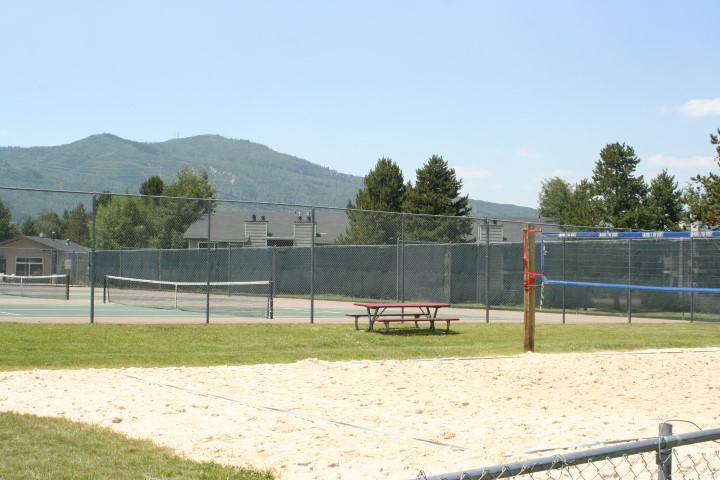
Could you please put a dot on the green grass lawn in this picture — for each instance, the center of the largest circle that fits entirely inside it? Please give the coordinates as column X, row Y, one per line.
column 42, row 448
column 27, row 346
column 36, row 448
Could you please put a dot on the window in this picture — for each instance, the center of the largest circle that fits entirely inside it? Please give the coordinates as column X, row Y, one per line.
column 29, row 266
column 204, row 245
column 280, row 242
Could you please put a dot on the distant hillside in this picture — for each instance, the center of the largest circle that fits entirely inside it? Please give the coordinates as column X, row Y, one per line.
column 240, row 170
column 481, row 208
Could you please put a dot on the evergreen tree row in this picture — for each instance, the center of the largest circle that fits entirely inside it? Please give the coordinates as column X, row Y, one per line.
column 434, row 196
column 615, row 197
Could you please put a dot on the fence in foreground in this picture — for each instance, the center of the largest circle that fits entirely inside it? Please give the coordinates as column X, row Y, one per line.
column 663, row 458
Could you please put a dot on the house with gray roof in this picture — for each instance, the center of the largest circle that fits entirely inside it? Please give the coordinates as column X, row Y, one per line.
column 27, row 255
column 295, row 229
column 266, row 229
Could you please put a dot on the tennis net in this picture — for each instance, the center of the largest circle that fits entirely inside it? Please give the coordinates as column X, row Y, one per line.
column 37, row 286
column 241, row 299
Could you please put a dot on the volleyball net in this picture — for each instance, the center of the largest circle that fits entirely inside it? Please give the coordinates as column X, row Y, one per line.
column 591, row 269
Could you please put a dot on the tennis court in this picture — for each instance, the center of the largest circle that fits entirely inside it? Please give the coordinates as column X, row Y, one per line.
column 668, row 277
column 286, row 310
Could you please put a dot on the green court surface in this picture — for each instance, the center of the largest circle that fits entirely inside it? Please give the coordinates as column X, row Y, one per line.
column 15, row 308
column 26, row 309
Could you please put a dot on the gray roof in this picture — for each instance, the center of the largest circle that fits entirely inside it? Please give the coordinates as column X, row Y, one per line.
column 230, row 226
column 61, row 245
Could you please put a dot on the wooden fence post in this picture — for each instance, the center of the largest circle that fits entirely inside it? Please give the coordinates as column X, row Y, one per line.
column 529, row 286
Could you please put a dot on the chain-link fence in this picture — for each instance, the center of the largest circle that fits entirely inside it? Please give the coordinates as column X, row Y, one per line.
column 689, row 456
column 311, row 254
column 674, row 277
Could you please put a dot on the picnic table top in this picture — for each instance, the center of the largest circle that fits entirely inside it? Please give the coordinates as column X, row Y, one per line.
column 401, row 304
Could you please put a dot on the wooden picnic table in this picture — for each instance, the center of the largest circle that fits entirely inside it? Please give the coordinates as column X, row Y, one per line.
column 408, row 311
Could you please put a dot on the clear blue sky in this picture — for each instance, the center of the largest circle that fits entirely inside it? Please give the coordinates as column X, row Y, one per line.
column 508, row 92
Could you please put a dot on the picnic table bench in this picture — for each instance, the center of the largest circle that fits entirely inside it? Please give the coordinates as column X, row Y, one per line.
column 421, row 312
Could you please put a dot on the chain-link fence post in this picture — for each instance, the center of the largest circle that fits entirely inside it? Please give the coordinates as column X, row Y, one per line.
column 477, row 266
column 664, row 456
column 92, row 259
column 208, row 260
column 402, row 257
column 398, row 268
column 563, row 277
column 312, row 266
column 692, row 279
column 629, row 292
column 447, row 264
column 487, row 270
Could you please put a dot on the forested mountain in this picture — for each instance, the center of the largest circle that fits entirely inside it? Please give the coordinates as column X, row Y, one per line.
column 239, row 169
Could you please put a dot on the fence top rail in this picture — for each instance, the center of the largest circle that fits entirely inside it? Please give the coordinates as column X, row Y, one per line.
column 576, row 458
column 686, row 234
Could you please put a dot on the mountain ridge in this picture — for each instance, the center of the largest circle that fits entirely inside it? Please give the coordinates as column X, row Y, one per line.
column 239, row 169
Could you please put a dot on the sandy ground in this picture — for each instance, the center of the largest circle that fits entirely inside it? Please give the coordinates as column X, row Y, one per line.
column 385, row 419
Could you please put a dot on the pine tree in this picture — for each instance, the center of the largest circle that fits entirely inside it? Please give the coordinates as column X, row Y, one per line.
column 618, row 191
column 384, row 191
column 437, row 193
column 663, row 204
